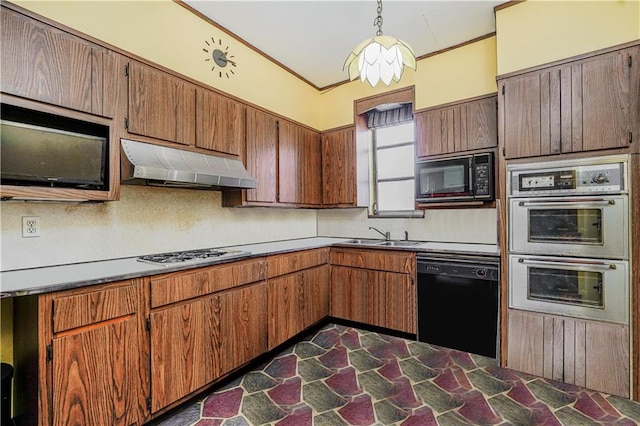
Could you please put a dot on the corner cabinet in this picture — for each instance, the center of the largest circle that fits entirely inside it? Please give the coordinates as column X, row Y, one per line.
column 462, row 126
column 299, row 165
column 90, row 347
column 285, row 159
column 590, row 354
column 298, row 292
column 40, row 62
column 585, row 104
column 339, row 167
column 261, row 155
column 204, row 324
column 375, row 287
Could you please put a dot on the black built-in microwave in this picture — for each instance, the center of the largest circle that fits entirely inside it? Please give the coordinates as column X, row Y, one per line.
column 463, row 178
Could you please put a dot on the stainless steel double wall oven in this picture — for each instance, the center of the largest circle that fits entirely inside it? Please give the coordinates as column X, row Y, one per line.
column 569, row 238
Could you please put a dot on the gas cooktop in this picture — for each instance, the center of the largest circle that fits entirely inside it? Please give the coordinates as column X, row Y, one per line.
column 191, row 256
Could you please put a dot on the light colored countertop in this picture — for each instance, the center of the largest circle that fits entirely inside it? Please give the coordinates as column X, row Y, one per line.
column 23, row 282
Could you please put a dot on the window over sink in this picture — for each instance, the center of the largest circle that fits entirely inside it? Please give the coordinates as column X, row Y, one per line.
column 392, row 158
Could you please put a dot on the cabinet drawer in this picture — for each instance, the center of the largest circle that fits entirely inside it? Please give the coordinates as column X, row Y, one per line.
column 380, row 260
column 90, row 308
column 178, row 286
column 292, row 262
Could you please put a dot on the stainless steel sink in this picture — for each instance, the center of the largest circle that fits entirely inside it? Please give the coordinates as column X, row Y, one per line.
column 398, row 243
column 393, row 243
column 364, row 242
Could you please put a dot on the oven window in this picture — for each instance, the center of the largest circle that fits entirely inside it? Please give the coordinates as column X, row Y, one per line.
column 566, row 286
column 566, row 226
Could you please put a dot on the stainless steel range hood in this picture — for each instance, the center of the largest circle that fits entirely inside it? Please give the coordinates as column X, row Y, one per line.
column 147, row 164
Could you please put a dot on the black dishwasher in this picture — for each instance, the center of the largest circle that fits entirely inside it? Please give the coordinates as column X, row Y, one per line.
column 459, row 303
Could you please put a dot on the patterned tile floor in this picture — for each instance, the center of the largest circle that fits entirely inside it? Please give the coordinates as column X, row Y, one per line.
column 346, row 376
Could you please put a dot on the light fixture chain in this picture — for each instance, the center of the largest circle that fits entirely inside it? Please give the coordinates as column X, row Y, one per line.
column 378, row 21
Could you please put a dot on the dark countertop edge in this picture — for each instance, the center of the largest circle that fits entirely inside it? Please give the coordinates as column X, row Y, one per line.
column 160, row 270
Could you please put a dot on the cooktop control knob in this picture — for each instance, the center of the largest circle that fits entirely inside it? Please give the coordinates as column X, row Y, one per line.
column 481, row 273
column 600, row 178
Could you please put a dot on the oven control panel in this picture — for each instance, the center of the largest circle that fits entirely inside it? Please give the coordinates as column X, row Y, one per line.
column 577, row 179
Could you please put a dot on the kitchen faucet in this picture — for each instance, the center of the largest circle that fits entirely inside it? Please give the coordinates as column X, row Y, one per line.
column 386, row 235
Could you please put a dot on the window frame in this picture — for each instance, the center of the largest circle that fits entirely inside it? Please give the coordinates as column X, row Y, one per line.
column 373, row 210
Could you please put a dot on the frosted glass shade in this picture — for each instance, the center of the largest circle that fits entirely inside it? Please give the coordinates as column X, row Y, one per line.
column 380, row 58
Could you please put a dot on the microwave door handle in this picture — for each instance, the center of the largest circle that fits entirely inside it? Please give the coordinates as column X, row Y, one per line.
column 591, row 202
column 590, row 264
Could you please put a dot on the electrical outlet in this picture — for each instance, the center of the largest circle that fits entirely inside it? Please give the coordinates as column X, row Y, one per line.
column 30, row 226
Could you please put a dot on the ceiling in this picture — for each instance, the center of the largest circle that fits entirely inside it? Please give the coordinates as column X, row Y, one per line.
column 313, row 38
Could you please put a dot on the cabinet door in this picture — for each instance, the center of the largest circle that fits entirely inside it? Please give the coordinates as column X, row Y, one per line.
column 184, row 349
column 478, row 125
column 607, row 358
column 525, row 342
column 220, row 123
column 160, row 105
column 398, row 302
column 286, row 302
column 299, row 158
column 297, row 301
column 434, row 132
column 262, row 137
column 45, row 64
column 600, row 93
column 243, row 326
column 354, row 296
column 530, row 111
column 94, row 373
column 339, row 167
column 316, row 291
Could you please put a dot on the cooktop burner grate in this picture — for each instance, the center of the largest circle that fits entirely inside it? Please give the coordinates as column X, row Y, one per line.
column 189, row 256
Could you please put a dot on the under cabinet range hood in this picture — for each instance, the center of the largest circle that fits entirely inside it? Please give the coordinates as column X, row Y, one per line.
column 155, row 165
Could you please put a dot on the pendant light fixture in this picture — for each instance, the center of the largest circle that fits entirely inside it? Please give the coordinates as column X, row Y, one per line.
column 380, row 58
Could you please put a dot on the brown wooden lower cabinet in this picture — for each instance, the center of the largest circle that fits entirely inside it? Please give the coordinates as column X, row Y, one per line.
column 298, row 294
column 125, row 352
column 196, row 341
column 374, row 287
column 79, row 356
column 297, row 301
column 591, row 354
column 384, row 299
column 92, row 370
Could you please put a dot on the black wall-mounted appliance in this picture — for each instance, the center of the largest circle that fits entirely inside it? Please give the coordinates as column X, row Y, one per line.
column 464, row 178
column 46, row 150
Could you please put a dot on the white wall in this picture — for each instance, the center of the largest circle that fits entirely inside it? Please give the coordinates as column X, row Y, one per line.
column 146, row 220
column 442, row 225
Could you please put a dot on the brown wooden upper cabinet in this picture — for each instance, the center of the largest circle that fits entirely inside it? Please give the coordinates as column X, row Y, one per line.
column 220, row 122
column 582, row 105
column 261, row 155
column 161, row 105
column 285, row 159
column 299, row 165
column 458, row 127
column 339, row 167
column 42, row 63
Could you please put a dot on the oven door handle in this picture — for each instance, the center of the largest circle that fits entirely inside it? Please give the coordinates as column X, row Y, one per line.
column 590, row 264
column 593, row 201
